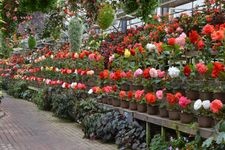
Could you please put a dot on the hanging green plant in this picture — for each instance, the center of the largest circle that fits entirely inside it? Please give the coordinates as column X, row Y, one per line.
column 106, row 16
column 75, row 31
column 31, row 42
column 130, row 6
column 37, row 5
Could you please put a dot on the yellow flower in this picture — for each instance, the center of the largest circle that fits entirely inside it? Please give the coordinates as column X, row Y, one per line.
column 127, row 53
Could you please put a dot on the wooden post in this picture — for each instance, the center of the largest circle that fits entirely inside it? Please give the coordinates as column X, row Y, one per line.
column 163, row 133
column 148, row 133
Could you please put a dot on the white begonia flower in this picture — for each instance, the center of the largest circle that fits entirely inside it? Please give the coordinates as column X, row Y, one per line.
column 52, row 56
column 198, row 104
column 64, row 85
column 150, row 47
column 90, row 72
column 73, row 85
column 90, row 91
column 42, row 68
column 57, row 69
column 153, row 73
column 173, row 72
column 76, row 55
column 47, row 81
column 206, row 104
column 43, row 57
column 75, row 71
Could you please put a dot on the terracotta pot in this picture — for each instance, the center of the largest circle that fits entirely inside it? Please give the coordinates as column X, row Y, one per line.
column 133, row 106
column 205, row 95
column 174, row 114
column 141, row 107
column 115, row 102
column 186, row 117
column 193, row 95
column 163, row 112
column 205, row 122
column 125, row 87
column 152, row 110
column 124, row 104
column 220, row 96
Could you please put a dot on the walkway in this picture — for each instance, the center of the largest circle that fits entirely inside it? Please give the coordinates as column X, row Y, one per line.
column 24, row 127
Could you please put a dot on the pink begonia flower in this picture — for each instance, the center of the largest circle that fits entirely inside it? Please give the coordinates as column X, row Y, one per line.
column 123, row 74
column 161, row 74
column 153, row 73
column 139, row 94
column 201, row 68
column 111, row 58
column 138, row 72
column 112, row 75
column 81, row 86
column 98, row 57
column 107, row 89
column 179, row 29
column 90, row 72
column 91, row 56
column 184, row 102
column 181, row 40
column 159, row 94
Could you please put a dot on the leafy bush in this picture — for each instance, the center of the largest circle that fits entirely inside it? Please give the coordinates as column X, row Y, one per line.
column 132, row 137
column 109, row 125
column 31, row 42
column 86, row 108
column 75, row 31
column 16, row 88
column 27, row 95
column 43, row 99
column 89, row 124
column 157, row 143
column 63, row 103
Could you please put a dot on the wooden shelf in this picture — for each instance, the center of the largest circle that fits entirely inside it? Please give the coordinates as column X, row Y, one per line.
column 165, row 122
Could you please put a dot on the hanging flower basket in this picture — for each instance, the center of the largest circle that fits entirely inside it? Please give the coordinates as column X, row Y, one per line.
column 106, row 16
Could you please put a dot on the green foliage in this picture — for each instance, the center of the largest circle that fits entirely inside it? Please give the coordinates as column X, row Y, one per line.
column 37, row 5
column 106, row 16
column 131, row 137
column 27, row 95
column 4, row 49
column 43, row 99
column 16, row 88
column 31, row 42
column 109, row 125
column 53, row 24
column 130, row 6
column 75, row 31
column 157, row 143
column 63, row 103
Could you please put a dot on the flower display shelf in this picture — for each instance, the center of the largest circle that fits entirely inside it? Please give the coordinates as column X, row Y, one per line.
column 165, row 122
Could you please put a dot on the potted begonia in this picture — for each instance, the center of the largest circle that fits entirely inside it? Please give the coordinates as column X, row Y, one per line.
column 163, row 112
column 124, row 101
column 217, row 108
column 141, row 103
column 173, row 106
column 152, row 105
column 132, row 102
column 204, row 111
column 186, row 115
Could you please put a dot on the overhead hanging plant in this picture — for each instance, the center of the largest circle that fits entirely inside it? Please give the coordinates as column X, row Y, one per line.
column 106, row 16
column 75, row 31
column 37, row 5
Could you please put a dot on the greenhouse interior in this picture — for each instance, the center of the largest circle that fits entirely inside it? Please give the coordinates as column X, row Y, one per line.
column 112, row 74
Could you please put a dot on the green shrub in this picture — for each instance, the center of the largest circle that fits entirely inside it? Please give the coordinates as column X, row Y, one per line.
column 31, row 42
column 43, row 99
column 16, row 88
column 106, row 16
column 75, row 31
column 158, row 143
column 63, row 103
